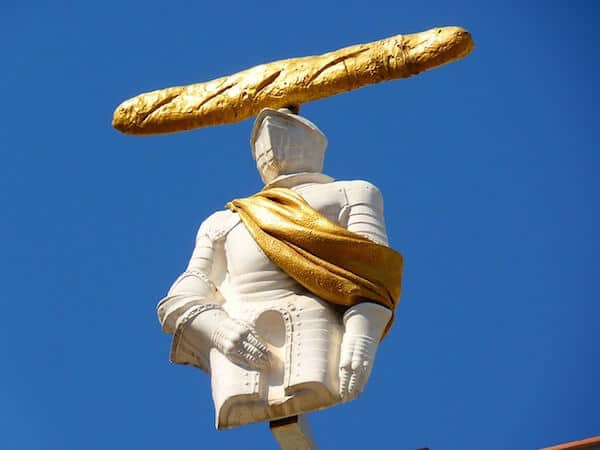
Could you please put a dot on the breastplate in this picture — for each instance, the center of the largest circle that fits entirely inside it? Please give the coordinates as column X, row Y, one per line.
column 251, row 276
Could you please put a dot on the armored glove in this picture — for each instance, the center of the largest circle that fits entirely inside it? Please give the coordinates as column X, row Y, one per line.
column 238, row 341
column 364, row 325
column 234, row 338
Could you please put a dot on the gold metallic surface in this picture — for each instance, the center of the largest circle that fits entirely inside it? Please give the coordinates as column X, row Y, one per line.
column 335, row 264
column 290, row 82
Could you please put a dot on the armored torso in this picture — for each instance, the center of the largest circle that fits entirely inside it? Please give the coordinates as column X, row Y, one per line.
column 303, row 332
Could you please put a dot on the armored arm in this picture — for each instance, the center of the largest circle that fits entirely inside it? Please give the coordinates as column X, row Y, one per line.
column 363, row 212
column 194, row 294
column 364, row 323
column 192, row 310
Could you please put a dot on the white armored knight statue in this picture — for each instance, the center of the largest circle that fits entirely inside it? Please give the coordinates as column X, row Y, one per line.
column 288, row 292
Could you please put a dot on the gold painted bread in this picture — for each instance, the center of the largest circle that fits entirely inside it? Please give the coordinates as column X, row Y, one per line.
column 289, row 82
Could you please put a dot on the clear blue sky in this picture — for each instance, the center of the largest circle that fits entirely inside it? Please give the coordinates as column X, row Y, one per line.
column 489, row 169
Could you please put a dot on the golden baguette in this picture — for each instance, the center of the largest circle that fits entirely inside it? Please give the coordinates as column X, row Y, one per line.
column 289, row 82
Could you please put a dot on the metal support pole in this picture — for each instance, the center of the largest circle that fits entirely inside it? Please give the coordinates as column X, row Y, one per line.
column 293, row 433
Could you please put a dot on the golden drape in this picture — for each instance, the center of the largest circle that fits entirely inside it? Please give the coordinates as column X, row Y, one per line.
column 335, row 264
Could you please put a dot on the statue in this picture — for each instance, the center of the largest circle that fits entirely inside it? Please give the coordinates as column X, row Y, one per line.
column 289, row 292
column 275, row 348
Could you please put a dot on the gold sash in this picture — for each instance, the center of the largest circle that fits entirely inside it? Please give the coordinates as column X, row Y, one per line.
column 335, row 264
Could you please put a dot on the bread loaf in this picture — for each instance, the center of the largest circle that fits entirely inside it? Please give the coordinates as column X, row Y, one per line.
column 289, row 82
